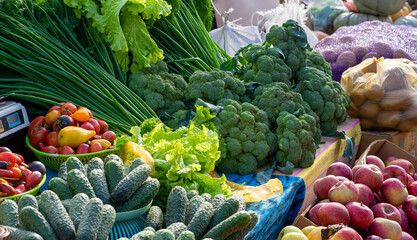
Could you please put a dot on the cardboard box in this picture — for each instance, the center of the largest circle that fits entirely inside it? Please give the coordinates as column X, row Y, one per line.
column 405, row 140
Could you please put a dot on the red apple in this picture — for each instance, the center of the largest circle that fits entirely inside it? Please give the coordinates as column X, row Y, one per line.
column 95, row 124
column 389, row 159
column 88, row 126
column 341, row 179
column 386, row 228
column 373, row 237
column 378, row 197
column 346, row 233
column 386, row 210
column 313, row 214
column 322, row 186
column 394, row 171
column 370, row 175
column 415, row 176
column 412, row 189
column 372, row 159
column 109, row 136
column 405, row 164
column 365, row 195
column 404, row 219
column 67, row 150
column 333, row 213
column 340, row 169
column 354, row 169
column 410, row 180
column 410, row 208
column 361, row 217
column 406, row 236
column 344, row 192
column 411, row 229
column 394, row 191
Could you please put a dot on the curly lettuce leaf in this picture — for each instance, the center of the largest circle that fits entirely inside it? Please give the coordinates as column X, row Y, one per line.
column 149, row 9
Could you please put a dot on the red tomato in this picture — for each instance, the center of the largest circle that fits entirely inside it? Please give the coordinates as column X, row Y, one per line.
column 51, row 117
column 38, row 136
column 20, row 188
column 83, row 148
column 55, row 107
column 33, row 179
column 52, row 139
column 88, row 126
column 50, row 149
column 19, row 159
column 95, row 124
column 67, row 150
column 16, row 172
column 8, row 157
column 103, row 126
column 6, row 188
column 68, row 109
column 109, row 136
column 96, row 147
column 39, row 121
column 6, row 173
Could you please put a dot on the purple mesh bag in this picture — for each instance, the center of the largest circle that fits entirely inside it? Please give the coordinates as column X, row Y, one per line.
column 348, row 46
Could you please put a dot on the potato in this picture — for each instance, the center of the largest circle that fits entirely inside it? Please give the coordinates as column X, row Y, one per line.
column 410, row 113
column 353, row 111
column 374, row 92
column 367, row 123
column 396, row 100
column 358, row 97
column 388, row 119
column 394, row 78
column 407, row 126
column 369, row 110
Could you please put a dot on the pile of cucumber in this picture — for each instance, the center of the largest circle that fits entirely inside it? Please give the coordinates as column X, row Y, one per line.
column 124, row 187
column 190, row 216
column 47, row 217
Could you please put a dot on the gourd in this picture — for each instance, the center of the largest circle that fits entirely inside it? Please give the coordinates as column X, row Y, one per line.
column 351, row 19
column 379, row 7
column 407, row 21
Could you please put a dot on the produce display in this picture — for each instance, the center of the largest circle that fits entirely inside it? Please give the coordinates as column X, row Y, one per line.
column 380, row 8
column 373, row 199
column 126, row 188
column 353, row 18
column 47, row 217
column 69, row 130
column 337, row 231
column 17, row 177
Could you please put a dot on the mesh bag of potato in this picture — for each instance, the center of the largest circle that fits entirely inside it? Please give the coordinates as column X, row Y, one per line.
column 383, row 93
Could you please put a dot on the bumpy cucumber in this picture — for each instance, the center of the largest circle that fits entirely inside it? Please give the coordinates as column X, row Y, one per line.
column 142, row 197
column 79, row 183
column 90, row 220
column 242, row 233
column 56, row 215
column 191, row 194
column 66, row 203
column 95, row 163
column 201, row 219
column 242, row 202
column 225, row 210
column 34, row 221
column 186, row 235
column 18, row 234
column 143, row 235
column 164, row 234
column 111, row 157
column 193, row 206
column 207, row 197
column 98, row 181
column 155, row 218
column 114, row 171
column 232, row 224
column 136, row 163
column 61, row 188
column 9, row 213
column 24, row 201
column 218, row 200
column 107, row 220
column 149, row 229
column 62, row 172
column 176, row 206
column 129, row 184
column 77, row 206
column 74, row 163
column 177, row 228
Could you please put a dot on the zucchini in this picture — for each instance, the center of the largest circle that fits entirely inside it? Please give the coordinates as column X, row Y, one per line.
column 114, row 171
column 90, row 220
column 176, row 206
column 62, row 172
column 143, row 235
column 191, row 194
column 98, row 182
column 74, row 163
column 95, row 163
column 56, row 215
column 77, row 206
column 129, row 184
column 225, row 210
column 112, row 157
column 142, row 197
column 186, row 235
column 61, row 188
column 155, row 218
column 242, row 233
column 9, row 213
column 242, row 202
column 18, row 234
column 218, row 200
column 107, row 220
column 149, row 229
column 232, row 224
column 207, row 197
column 193, row 206
column 201, row 219
column 26, row 200
column 177, row 228
column 34, row 221
column 164, row 234
column 136, row 163
column 79, row 183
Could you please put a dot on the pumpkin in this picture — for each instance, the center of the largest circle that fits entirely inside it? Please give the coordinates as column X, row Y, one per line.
column 407, row 21
column 351, row 19
column 379, row 7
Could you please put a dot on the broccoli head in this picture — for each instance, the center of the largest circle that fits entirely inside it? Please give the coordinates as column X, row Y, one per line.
column 284, row 39
column 214, row 86
column 324, row 96
column 266, row 65
column 162, row 91
column 316, row 60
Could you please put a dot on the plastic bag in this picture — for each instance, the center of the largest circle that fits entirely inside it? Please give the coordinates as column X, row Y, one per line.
column 322, row 13
column 290, row 9
column 231, row 37
column 383, row 94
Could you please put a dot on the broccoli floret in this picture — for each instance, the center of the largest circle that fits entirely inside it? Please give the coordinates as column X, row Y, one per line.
column 316, row 60
column 265, row 66
column 324, row 96
column 214, row 86
column 161, row 91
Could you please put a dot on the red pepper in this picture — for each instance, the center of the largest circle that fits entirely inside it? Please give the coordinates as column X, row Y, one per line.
column 6, row 173
column 6, row 188
column 20, row 188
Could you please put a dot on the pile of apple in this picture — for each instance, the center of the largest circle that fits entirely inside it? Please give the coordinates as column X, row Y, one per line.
column 69, row 130
column 333, row 232
column 378, row 199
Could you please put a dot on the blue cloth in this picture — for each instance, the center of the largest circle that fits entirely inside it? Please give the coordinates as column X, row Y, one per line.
column 276, row 213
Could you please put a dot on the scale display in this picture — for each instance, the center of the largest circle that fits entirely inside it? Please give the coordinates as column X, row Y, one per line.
column 11, row 120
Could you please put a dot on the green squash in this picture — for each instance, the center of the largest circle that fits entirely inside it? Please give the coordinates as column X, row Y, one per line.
column 379, row 7
column 351, row 19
